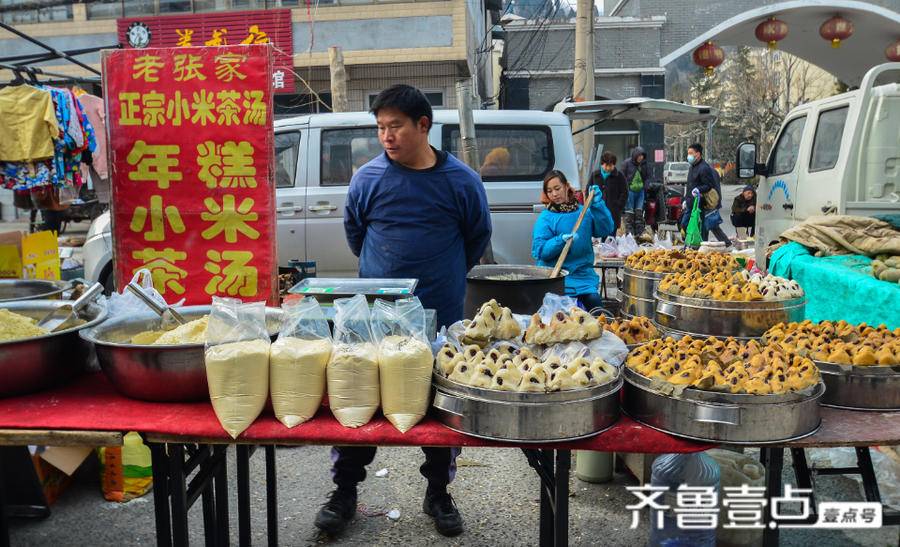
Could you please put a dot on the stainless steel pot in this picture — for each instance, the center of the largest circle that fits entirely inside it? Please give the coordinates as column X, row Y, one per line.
column 526, row 417
column 861, row 388
column 677, row 334
column 156, row 372
column 724, row 318
column 639, row 283
column 17, row 290
column 632, row 306
column 520, row 288
column 34, row 364
column 723, row 417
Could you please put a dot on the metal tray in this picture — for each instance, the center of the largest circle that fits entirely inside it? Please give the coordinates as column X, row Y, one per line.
column 723, row 318
column 723, row 417
column 329, row 289
column 17, row 290
column 527, row 417
column 861, row 388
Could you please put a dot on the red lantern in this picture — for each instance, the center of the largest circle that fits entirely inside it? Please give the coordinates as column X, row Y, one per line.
column 893, row 52
column 771, row 32
column 709, row 56
column 836, row 29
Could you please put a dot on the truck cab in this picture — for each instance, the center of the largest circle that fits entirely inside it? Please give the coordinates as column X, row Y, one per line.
column 838, row 155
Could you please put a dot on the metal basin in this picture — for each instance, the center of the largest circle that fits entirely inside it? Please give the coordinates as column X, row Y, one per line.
column 34, row 364
column 156, row 373
column 861, row 388
column 17, row 290
column 723, row 417
column 523, row 292
column 527, row 417
column 724, row 318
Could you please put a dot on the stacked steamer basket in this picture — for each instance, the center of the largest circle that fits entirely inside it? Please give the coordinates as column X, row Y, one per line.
column 493, row 384
column 723, row 390
column 725, row 302
column 859, row 364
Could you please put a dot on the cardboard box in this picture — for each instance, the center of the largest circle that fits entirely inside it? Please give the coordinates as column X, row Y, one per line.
column 29, row 256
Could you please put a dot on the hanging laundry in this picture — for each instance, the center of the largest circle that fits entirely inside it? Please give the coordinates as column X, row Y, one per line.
column 29, row 126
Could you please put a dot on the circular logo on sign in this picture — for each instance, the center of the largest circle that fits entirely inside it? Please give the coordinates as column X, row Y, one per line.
column 138, row 35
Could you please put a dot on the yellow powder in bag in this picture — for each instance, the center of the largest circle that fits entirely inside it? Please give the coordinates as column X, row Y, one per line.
column 297, row 377
column 353, row 391
column 404, row 365
column 238, row 378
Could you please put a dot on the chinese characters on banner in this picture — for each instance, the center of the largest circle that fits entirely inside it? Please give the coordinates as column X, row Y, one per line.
column 268, row 26
column 192, row 149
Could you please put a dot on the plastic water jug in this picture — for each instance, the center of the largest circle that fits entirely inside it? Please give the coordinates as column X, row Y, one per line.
column 673, row 470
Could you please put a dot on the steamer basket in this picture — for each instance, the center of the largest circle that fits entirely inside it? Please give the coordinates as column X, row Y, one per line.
column 861, row 387
column 725, row 318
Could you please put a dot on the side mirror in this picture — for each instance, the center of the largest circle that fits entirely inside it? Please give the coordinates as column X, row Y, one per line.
column 746, row 162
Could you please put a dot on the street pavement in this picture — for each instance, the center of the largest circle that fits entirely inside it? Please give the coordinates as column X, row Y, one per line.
column 495, row 490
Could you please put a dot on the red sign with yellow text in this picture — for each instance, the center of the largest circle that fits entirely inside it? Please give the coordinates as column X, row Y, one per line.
column 191, row 143
column 269, row 26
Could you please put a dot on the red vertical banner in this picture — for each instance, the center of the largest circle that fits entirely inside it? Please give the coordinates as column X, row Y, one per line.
column 191, row 139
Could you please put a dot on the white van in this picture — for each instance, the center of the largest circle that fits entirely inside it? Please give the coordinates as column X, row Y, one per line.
column 317, row 154
column 839, row 155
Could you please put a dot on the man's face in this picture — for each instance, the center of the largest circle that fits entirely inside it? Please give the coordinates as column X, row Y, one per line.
column 696, row 154
column 401, row 137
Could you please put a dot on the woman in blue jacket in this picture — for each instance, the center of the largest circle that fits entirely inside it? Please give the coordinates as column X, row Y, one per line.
column 554, row 228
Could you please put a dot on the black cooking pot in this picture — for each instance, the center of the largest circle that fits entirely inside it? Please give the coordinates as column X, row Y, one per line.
column 518, row 287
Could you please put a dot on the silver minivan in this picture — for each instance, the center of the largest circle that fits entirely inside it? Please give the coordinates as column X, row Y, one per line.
column 317, row 154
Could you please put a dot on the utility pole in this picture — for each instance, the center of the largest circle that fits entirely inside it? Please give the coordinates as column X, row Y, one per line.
column 339, row 101
column 468, row 145
column 583, row 88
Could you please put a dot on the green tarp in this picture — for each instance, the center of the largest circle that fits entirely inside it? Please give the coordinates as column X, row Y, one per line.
column 839, row 287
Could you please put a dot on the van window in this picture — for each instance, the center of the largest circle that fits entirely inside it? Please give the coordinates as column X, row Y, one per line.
column 784, row 156
column 287, row 148
column 507, row 152
column 344, row 151
column 827, row 142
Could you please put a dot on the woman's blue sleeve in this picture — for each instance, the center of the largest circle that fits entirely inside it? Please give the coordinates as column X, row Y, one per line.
column 545, row 245
column 602, row 224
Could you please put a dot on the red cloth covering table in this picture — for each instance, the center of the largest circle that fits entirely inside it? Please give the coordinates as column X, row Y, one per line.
column 187, row 436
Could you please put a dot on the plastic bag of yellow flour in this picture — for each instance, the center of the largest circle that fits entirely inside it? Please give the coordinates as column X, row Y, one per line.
column 404, row 361
column 237, row 362
column 297, row 362
column 352, row 372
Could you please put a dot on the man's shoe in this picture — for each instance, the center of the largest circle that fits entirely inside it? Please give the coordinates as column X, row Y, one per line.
column 337, row 512
column 441, row 507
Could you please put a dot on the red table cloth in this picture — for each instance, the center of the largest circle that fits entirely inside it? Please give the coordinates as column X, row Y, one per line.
column 92, row 404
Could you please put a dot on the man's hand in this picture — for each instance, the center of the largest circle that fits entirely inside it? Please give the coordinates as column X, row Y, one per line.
column 695, row 192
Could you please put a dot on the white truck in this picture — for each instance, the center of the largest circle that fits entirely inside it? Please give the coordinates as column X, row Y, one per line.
column 839, row 155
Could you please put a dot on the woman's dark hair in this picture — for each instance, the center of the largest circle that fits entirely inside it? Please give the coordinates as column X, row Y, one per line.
column 406, row 99
column 555, row 174
column 608, row 158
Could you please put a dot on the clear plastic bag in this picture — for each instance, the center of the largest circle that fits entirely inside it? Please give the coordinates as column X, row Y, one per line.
column 126, row 303
column 608, row 347
column 352, row 371
column 609, row 248
column 237, row 362
column 554, row 303
column 405, row 361
column 565, row 352
column 297, row 362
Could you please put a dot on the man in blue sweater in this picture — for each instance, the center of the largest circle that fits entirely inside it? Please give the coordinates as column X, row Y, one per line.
column 412, row 212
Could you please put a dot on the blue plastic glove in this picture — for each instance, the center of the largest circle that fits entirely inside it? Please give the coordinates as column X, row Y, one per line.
column 695, row 192
column 567, row 237
column 598, row 196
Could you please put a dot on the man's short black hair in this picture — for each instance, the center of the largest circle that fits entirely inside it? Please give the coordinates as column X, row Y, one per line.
column 608, row 158
column 406, row 99
column 696, row 146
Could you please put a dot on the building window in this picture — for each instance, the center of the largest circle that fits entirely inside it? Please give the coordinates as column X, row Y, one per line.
column 301, row 103
column 507, row 152
column 30, row 14
column 435, row 98
column 104, row 10
column 344, row 151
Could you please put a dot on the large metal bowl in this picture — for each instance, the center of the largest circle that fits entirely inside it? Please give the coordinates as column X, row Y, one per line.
column 18, row 290
column 640, row 283
column 872, row 387
column 725, row 318
column 521, row 288
column 34, row 364
column 167, row 373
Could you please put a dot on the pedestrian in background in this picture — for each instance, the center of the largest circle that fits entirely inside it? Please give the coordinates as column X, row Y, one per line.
column 611, row 182
column 703, row 184
column 637, row 174
column 743, row 211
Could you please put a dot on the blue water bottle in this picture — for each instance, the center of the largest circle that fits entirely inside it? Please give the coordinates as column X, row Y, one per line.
column 671, row 471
